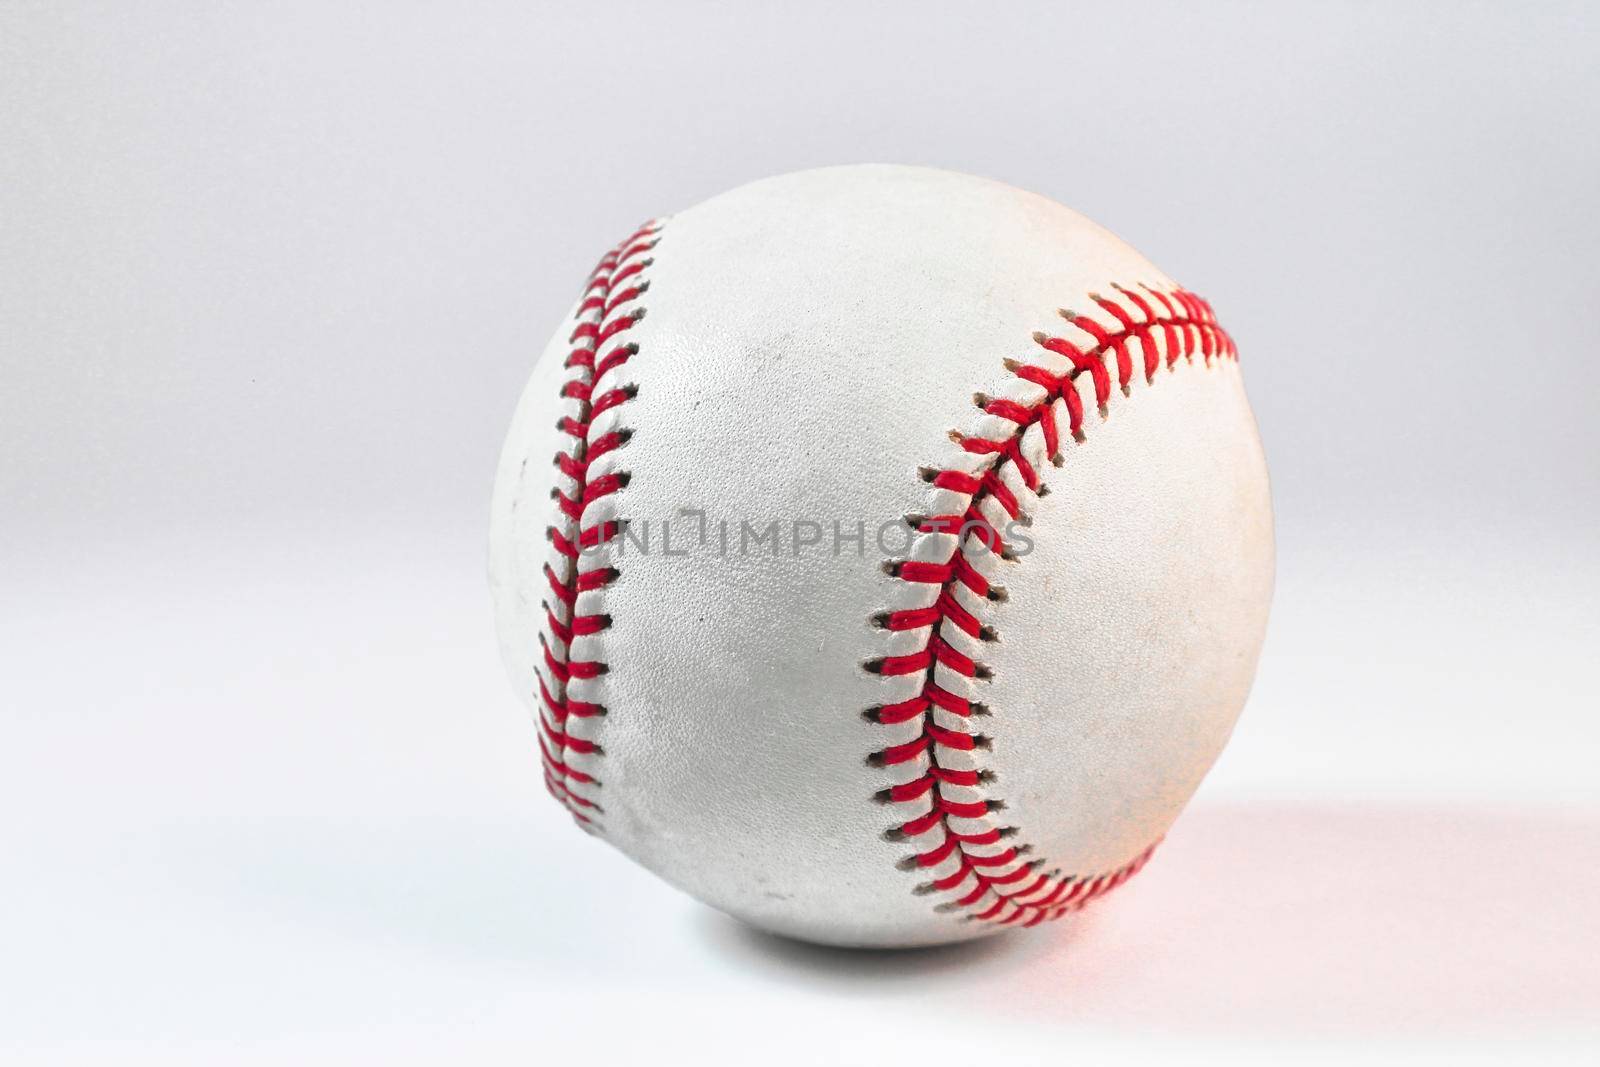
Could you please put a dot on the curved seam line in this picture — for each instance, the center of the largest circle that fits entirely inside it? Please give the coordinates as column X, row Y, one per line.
column 1184, row 328
column 604, row 314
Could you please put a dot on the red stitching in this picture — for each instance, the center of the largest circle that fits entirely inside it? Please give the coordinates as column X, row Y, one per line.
column 607, row 310
column 986, row 873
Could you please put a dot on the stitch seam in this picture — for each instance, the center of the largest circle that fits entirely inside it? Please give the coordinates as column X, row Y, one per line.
column 607, row 309
column 951, row 823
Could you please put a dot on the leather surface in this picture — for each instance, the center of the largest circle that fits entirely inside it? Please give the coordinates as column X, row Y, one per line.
column 809, row 342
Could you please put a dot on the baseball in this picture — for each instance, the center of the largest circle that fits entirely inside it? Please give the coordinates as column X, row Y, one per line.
column 884, row 553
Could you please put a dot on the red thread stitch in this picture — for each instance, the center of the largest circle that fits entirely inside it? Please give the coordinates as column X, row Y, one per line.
column 956, row 836
column 608, row 309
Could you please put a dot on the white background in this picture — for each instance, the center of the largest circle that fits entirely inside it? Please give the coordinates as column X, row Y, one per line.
column 271, row 277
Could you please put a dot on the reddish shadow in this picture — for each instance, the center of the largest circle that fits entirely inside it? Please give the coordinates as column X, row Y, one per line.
column 1292, row 920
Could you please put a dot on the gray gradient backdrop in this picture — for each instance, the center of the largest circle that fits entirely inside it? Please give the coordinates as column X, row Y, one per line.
column 271, row 277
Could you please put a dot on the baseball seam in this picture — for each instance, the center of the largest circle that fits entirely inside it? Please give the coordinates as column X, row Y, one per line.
column 949, row 816
column 608, row 308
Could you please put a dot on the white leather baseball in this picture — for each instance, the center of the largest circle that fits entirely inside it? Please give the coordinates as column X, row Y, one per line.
column 870, row 747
